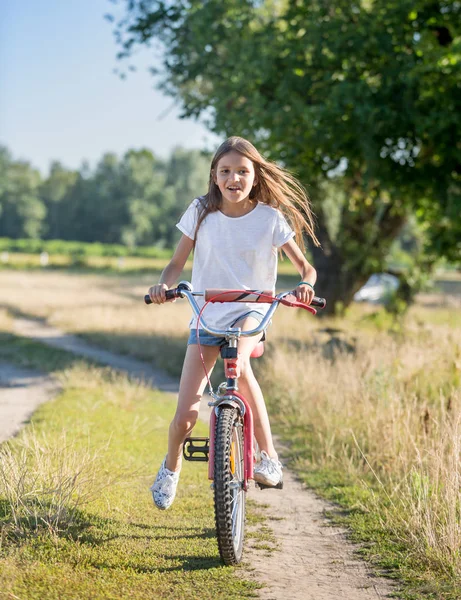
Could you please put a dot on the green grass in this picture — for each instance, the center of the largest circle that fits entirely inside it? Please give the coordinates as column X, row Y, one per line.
column 84, row 249
column 258, row 528
column 106, row 265
column 117, row 545
column 87, row 260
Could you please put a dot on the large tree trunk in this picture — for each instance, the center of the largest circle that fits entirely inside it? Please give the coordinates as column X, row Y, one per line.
column 335, row 283
column 344, row 266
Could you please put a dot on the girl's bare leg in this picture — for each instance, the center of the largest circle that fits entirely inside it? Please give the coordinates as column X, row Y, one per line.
column 191, row 388
column 249, row 387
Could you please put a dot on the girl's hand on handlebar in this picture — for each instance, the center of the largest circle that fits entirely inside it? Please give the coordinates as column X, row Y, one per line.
column 157, row 293
column 304, row 293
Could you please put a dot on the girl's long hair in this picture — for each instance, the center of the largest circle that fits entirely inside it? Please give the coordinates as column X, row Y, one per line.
column 276, row 187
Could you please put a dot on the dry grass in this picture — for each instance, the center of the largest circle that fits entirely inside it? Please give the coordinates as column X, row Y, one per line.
column 386, row 410
column 90, row 302
column 6, row 322
column 107, row 310
column 363, row 396
column 45, row 482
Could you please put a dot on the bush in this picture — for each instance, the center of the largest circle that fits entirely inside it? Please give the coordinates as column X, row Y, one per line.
column 81, row 249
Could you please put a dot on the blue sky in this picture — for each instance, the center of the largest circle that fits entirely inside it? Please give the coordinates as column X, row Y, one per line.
column 59, row 97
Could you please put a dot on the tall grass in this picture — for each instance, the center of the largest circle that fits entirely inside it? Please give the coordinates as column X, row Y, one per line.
column 385, row 411
column 45, row 482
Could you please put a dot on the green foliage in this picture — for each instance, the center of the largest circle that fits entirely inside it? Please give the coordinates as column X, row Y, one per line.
column 134, row 201
column 22, row 212
column 34, row 246
column 410, row 262
column 367, row 92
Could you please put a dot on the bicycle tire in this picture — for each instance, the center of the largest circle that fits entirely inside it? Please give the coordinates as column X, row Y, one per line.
column 229, row 495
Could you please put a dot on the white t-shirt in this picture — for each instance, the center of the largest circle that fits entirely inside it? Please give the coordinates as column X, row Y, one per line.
column 234, row 253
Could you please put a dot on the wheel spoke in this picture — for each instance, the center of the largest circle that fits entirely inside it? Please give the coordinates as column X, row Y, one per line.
column 236, row 516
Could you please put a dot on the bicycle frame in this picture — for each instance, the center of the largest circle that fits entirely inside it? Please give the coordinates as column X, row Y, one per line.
column 229, row 449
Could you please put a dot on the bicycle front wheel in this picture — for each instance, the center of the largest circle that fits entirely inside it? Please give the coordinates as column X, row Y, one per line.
column 229, row 493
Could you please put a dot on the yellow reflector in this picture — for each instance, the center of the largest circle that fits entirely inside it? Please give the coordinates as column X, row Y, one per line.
column 232, row 458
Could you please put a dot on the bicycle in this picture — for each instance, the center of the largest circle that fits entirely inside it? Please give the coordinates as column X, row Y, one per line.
column 229, row 449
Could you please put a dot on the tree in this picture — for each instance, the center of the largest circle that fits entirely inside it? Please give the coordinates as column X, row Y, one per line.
column 157, row 193
column 53, row 192
column 147, row 198
column 22, row 212
column 367, row 89
column 187, row 171
column 135, row 200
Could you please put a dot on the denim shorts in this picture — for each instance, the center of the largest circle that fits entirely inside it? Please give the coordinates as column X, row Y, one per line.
column 206, row 339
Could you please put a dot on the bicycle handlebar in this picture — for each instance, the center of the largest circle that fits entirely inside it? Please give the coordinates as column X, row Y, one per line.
column 217, row 295
column 184, row 289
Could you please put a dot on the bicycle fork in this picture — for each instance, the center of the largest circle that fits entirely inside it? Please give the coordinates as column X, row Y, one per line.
column 202, row 448
column 234, row 400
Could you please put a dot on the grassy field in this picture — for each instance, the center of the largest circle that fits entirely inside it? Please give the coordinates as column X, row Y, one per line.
column 118, row 265
column 76, row 515
column 370, row 407
column 24, row 260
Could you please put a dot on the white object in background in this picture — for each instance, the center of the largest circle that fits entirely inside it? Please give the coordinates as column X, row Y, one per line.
column 377, row 288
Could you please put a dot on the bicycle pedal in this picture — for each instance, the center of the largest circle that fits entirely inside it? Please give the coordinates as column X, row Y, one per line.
column 196, row 449
column 263, row 486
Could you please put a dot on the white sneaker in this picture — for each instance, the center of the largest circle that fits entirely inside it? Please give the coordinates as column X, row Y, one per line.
column 164, row 487
column 269, row 471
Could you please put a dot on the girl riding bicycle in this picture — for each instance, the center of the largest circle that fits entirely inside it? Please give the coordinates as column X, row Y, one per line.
column 235, row 230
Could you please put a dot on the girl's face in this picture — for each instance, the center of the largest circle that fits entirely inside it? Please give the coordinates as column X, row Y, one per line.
column 235, row 176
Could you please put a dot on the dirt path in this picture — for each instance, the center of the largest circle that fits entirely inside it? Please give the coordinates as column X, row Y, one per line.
column 38, row 330
column 315, row 561
column 21, row 393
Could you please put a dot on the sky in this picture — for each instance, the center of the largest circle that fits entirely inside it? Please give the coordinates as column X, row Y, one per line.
column 60, row 99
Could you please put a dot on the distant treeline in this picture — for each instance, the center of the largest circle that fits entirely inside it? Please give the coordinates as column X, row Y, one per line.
column 131, row 201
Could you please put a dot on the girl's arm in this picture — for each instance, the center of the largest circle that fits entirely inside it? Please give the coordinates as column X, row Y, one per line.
column 308, row 274
column 172, row 271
